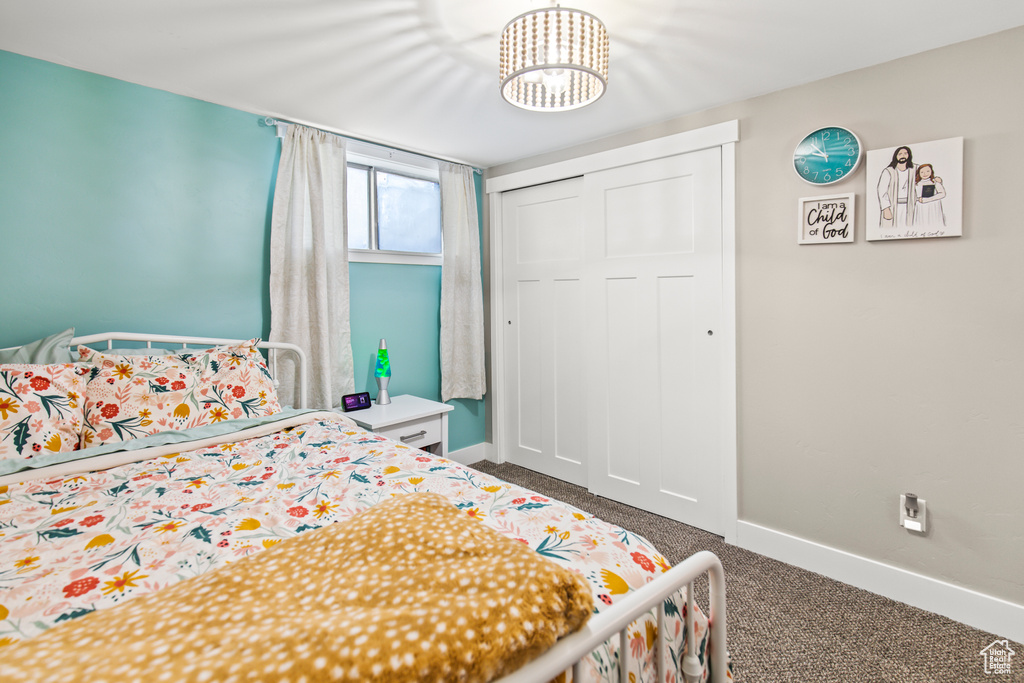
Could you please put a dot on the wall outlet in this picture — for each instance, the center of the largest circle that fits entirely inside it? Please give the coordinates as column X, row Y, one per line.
column 909, row 518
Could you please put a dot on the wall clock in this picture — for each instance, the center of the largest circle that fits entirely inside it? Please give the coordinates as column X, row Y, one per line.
column 827, row 155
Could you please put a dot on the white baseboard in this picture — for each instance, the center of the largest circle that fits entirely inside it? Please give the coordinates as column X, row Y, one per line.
column 471, row 454
column 981, row 611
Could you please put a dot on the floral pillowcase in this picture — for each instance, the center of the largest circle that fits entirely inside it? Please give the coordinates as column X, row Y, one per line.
column 236, row 382
column 132, row 396
column 40, row 409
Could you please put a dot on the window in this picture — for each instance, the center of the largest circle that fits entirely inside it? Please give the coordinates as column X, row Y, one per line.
column 394, row 208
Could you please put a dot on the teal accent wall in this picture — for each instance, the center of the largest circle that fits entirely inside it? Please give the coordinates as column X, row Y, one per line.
column 124, row 208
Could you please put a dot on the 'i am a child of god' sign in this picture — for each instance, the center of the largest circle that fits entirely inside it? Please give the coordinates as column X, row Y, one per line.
column 825, row 220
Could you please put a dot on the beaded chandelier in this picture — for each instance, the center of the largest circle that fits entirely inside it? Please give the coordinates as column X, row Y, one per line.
column 554, row 59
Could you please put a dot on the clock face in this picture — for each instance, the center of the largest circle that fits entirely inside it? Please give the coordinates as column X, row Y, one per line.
column 827, row 155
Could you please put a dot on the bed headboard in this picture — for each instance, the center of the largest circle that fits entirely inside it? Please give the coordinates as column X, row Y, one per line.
column 164, row 341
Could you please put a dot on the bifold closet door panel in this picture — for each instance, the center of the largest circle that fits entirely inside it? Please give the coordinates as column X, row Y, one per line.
column 653, row 291
column 542, row 263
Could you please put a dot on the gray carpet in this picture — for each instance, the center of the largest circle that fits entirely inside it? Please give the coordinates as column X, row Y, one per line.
column 787, row 624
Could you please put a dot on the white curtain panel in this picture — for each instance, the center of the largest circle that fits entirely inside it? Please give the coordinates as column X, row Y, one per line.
column 462, row 303
column 309, row 266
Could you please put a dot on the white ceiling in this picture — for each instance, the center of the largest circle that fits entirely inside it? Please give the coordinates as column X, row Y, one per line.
column 422, row 74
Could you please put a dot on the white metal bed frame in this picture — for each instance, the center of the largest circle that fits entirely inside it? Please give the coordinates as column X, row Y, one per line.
column 569, row 652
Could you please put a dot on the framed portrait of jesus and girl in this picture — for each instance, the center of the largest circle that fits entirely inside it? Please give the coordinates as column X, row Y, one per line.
column 915, row 191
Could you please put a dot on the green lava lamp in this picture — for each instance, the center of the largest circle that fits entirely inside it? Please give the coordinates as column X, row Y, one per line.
column 383, row 374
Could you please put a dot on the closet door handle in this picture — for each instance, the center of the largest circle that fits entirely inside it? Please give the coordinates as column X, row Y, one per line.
column 410, row 437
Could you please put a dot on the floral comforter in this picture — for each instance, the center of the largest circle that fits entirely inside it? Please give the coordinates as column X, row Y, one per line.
column 81, row 543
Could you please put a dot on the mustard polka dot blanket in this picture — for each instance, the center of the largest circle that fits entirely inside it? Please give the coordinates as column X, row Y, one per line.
column 412, row 589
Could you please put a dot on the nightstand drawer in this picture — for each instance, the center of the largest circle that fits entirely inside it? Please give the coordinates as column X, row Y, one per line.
column 415, row 433
column 423, row 423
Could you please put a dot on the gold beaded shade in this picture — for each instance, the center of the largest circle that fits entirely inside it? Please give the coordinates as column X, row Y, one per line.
column 554, row 59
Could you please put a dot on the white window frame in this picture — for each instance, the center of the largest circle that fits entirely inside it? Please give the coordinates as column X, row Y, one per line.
column 404, row 163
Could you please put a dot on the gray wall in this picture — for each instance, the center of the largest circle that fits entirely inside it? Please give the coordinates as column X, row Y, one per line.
column 874, row 368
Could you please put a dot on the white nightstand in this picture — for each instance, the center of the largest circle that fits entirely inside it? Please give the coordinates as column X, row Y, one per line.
column 414, row 421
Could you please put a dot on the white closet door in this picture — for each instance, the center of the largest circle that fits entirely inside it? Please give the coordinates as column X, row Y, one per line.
column 653, row 236
column 542, row 265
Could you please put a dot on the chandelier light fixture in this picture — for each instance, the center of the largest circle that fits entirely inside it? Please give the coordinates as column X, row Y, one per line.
column 554, row 59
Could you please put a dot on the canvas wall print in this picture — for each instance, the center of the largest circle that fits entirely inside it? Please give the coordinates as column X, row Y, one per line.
column 915, row 190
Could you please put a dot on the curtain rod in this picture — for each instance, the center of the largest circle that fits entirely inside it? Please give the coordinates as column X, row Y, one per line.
column 269, row 121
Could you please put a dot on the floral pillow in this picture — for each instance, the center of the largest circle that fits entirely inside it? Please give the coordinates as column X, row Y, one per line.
column 236, row 382
column 40, row 409
column 132, row 396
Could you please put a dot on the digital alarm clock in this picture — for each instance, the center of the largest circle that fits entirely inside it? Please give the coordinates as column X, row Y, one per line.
column 355, row 401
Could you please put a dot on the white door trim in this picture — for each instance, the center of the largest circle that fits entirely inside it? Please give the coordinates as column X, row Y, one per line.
column 680, row 143
column 730, row 473
column 496, row 354
column 724, row 135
